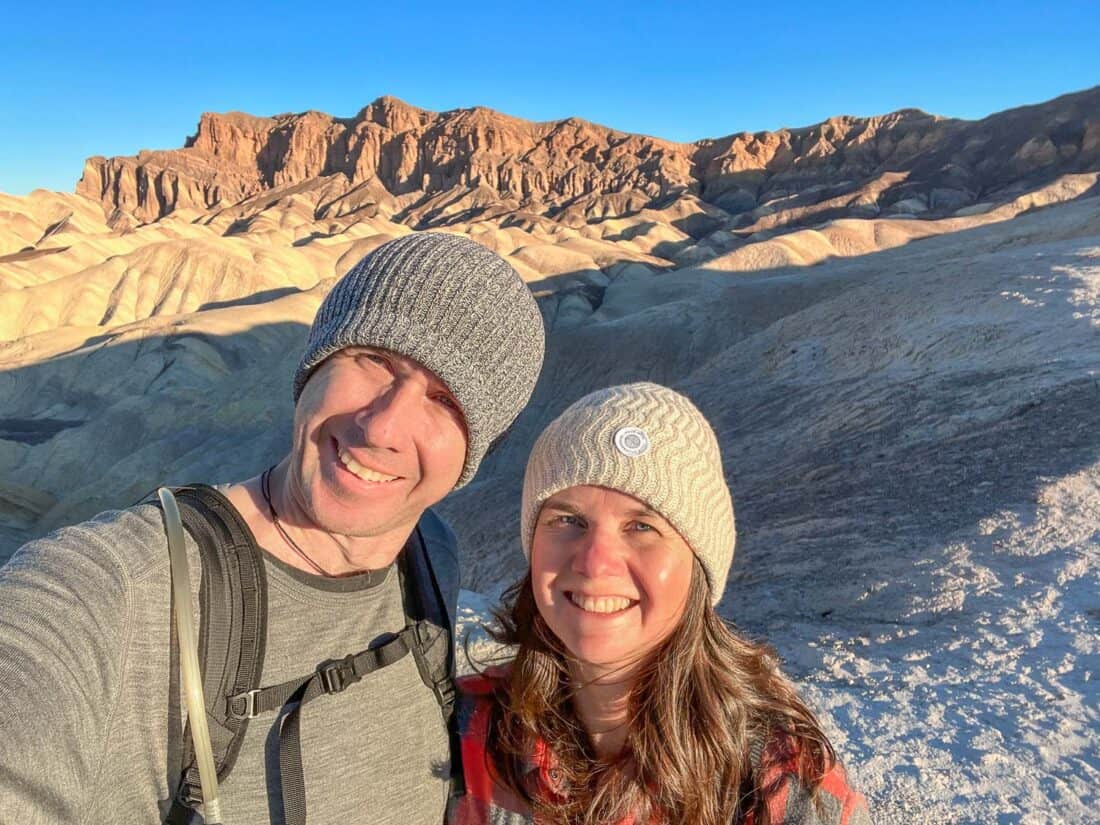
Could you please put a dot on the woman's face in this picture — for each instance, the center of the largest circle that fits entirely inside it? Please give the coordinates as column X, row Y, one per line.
column 610, row 575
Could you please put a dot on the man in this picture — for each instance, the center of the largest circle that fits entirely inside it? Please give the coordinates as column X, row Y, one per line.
column 419, row 358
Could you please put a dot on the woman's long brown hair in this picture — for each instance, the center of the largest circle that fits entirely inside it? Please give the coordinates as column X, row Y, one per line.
column 705, row 703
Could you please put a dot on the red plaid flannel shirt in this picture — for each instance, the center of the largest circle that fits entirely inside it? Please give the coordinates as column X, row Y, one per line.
column 487, row 803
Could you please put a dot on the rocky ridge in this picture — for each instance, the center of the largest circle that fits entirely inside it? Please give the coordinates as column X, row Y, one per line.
column 572, row 171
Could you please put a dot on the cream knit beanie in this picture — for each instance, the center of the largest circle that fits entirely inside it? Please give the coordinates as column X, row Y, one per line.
column 651, row 443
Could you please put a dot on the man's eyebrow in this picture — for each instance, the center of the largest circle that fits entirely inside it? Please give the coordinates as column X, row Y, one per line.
column 643, row 510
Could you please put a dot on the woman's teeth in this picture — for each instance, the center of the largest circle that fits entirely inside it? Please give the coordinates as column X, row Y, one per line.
column 603, row 604
column 361, row 471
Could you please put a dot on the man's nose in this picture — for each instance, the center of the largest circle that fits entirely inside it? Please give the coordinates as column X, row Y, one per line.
column 599, row 553
column 386, row 420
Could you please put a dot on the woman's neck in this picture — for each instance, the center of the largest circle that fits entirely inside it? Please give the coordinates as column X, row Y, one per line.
column 602, row 702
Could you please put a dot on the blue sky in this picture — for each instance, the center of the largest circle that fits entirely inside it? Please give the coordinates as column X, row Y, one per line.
column 81, row 81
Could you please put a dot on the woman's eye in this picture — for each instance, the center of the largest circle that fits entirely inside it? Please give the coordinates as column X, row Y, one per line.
column 565, row 520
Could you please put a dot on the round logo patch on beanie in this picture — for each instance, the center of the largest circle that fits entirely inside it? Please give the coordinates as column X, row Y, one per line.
column 631, row 441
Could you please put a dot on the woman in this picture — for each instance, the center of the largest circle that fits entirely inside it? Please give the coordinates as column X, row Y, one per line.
column 629, row 700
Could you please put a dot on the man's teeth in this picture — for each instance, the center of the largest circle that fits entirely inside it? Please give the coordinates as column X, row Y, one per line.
column 604, row 604
column 363, row 472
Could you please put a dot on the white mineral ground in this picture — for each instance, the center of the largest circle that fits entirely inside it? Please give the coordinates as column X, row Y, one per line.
column 909, row 413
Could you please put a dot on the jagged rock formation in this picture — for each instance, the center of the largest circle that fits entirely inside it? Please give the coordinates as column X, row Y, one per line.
column 906, row 162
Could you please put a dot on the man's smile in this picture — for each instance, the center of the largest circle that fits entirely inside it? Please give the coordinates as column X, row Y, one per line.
column 361, row 471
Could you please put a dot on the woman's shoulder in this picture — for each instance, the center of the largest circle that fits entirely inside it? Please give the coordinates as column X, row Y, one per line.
column 482, row 683
column 484, row 800
column 477, row 693
column 792, row 802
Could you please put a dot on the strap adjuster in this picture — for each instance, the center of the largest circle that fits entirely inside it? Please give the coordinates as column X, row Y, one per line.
column 248, row 699
column 445, row 692
column 336, row 676
column 189, row 794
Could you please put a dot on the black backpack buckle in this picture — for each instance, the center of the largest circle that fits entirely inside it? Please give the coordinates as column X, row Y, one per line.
column 336, row 676
column 189, row 794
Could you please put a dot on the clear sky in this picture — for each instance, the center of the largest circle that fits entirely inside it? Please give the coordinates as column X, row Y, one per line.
column 83, row 79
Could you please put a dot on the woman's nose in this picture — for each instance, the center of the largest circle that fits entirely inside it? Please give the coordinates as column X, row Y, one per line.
column 599, row 554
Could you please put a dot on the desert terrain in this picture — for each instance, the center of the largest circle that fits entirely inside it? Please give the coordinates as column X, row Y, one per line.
column 893, row 324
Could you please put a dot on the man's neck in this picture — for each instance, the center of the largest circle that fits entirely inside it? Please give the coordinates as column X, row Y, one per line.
column 300, row 543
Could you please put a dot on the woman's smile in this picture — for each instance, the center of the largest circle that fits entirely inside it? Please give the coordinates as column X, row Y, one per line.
column 600, row 605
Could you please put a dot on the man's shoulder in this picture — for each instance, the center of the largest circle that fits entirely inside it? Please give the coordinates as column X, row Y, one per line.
column 441, row 549
column 438, row 536
column 131, row 539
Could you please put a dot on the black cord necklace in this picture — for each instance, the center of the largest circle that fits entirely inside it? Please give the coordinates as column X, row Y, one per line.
column 265, row 488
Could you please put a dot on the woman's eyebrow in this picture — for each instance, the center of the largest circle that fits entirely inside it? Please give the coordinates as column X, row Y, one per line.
column 563, row 507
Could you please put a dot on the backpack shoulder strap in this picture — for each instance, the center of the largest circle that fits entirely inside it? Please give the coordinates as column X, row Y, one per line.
column 233, row 601
column 429, row 577
column 430, row 581
column 438, row 562
column 233, row 629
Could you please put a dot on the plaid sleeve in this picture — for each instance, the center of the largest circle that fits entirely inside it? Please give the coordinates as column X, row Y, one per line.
column 837, row 803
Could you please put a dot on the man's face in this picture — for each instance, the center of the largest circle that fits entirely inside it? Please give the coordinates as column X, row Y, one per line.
column 377, row 439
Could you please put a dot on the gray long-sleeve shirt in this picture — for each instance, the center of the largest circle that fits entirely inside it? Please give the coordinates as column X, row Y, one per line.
column 84, row 690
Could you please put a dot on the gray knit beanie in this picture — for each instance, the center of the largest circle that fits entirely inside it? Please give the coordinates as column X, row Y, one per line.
column 651, row 443
column 453, row 306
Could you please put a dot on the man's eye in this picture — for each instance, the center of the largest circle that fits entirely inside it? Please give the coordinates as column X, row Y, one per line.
column 642, row 527
column 448, row 402
column 371, row 358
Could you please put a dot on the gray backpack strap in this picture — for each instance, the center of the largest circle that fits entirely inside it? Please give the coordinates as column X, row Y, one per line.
column 232, row 635
column 429, row 575
column 329, row 678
